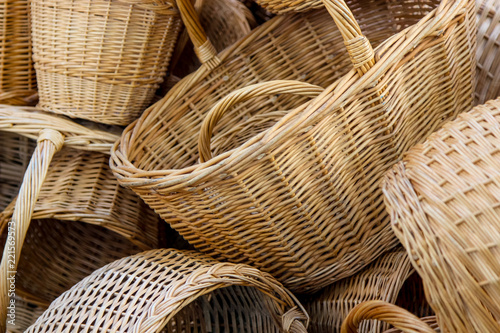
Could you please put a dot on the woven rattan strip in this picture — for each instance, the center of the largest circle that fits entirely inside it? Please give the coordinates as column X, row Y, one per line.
column 17, row 75
column 25, row 315
column 444, row 201
column 381, row 280
column 101, row 60
column 177, row 292
column 301, row 199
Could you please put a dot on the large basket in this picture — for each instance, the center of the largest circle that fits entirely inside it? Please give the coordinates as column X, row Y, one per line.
column 102, row 60
column 444, row 201
column 384, row 279
column 17, row 75
column 300, row 197
column 74, row 185
column 175, row 291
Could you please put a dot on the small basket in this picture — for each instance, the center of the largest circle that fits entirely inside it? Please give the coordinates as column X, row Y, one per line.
column 17, row 75
column 301, row 199
column 402, row 320
column 444, row 202
column 102, row 60
column 174, row 291
column 384, row 280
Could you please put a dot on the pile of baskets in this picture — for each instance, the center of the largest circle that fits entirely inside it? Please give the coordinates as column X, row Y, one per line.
column 227, row 166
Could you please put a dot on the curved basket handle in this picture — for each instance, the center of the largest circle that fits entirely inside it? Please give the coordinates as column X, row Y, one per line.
column 209, row 278
column 49, row 142
column 244, row 94
column 204, row 49
column 390, row 313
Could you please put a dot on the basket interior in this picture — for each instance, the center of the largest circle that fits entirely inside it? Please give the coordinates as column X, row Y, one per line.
column 305, row 47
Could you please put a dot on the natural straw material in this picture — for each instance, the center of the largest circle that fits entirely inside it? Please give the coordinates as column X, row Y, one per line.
column 17, row 75
column 431, row 321
column 380, row 310
column 444, row 202
column 175, row 291
column 58, row 254
column 488, row 51
column 101, row 60
column 26, row 314
column 301, row 199
column 381, row 280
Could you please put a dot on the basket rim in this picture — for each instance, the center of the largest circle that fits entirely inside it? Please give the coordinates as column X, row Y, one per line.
column 334, row 96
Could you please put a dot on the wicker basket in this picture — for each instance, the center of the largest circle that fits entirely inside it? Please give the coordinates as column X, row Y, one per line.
column 17, row 75
column 384, row 280
column 488, row 51
column 58, row 254
column 444, row 203
column 402, row 320
column 175, row 291
column 78, row 186
column 301, row 199
column 102, row 60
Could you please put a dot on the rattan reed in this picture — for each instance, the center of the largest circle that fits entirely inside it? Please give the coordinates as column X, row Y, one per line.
column 301, row 198
column 102, row 60
column 17, row 75
column 382, row 280
column 26, row 314
column 58, row 254
column 402, row 320
column 488, row 51
column 431, row 321
column 174, row 291
column 444, row 203
column 75, row 184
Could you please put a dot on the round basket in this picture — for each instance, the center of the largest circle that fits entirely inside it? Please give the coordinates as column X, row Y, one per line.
column 444, row 201
column 17, row 75
column 385, row 279
column 102, row 60
column 295, row 191
column 174, row 291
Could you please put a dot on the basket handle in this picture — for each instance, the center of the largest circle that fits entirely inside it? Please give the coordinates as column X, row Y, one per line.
column 49, row 142
column 244, row 94
column 204, row 49
column 390, row 313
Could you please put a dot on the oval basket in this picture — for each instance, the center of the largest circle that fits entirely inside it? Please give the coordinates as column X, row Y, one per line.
column 299, row 199
column 102, row 60
column 174, row 291
column 444, row 201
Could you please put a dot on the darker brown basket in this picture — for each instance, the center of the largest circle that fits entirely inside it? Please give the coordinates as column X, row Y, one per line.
column 296, row 193
column 175, row 291
column 444, row 201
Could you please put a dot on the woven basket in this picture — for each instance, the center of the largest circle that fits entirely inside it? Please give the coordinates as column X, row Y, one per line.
column 102, row 60
column 300, row 199
column 78, row 186
column 488, row 51
column 444, row 203
column 174, row 291
column 58, row 254
column 384, row 280
column 402, row 320
column 17, row 75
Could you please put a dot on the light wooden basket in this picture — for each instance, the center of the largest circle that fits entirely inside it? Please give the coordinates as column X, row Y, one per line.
column 295, row 191
column 174, row 291
column 444, row 202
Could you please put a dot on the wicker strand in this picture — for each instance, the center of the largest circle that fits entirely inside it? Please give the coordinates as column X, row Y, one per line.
column 380, row 310
column 49, row 143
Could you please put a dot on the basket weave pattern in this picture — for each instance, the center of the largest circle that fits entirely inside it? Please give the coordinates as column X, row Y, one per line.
column 101, row 60
column 444, row 201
